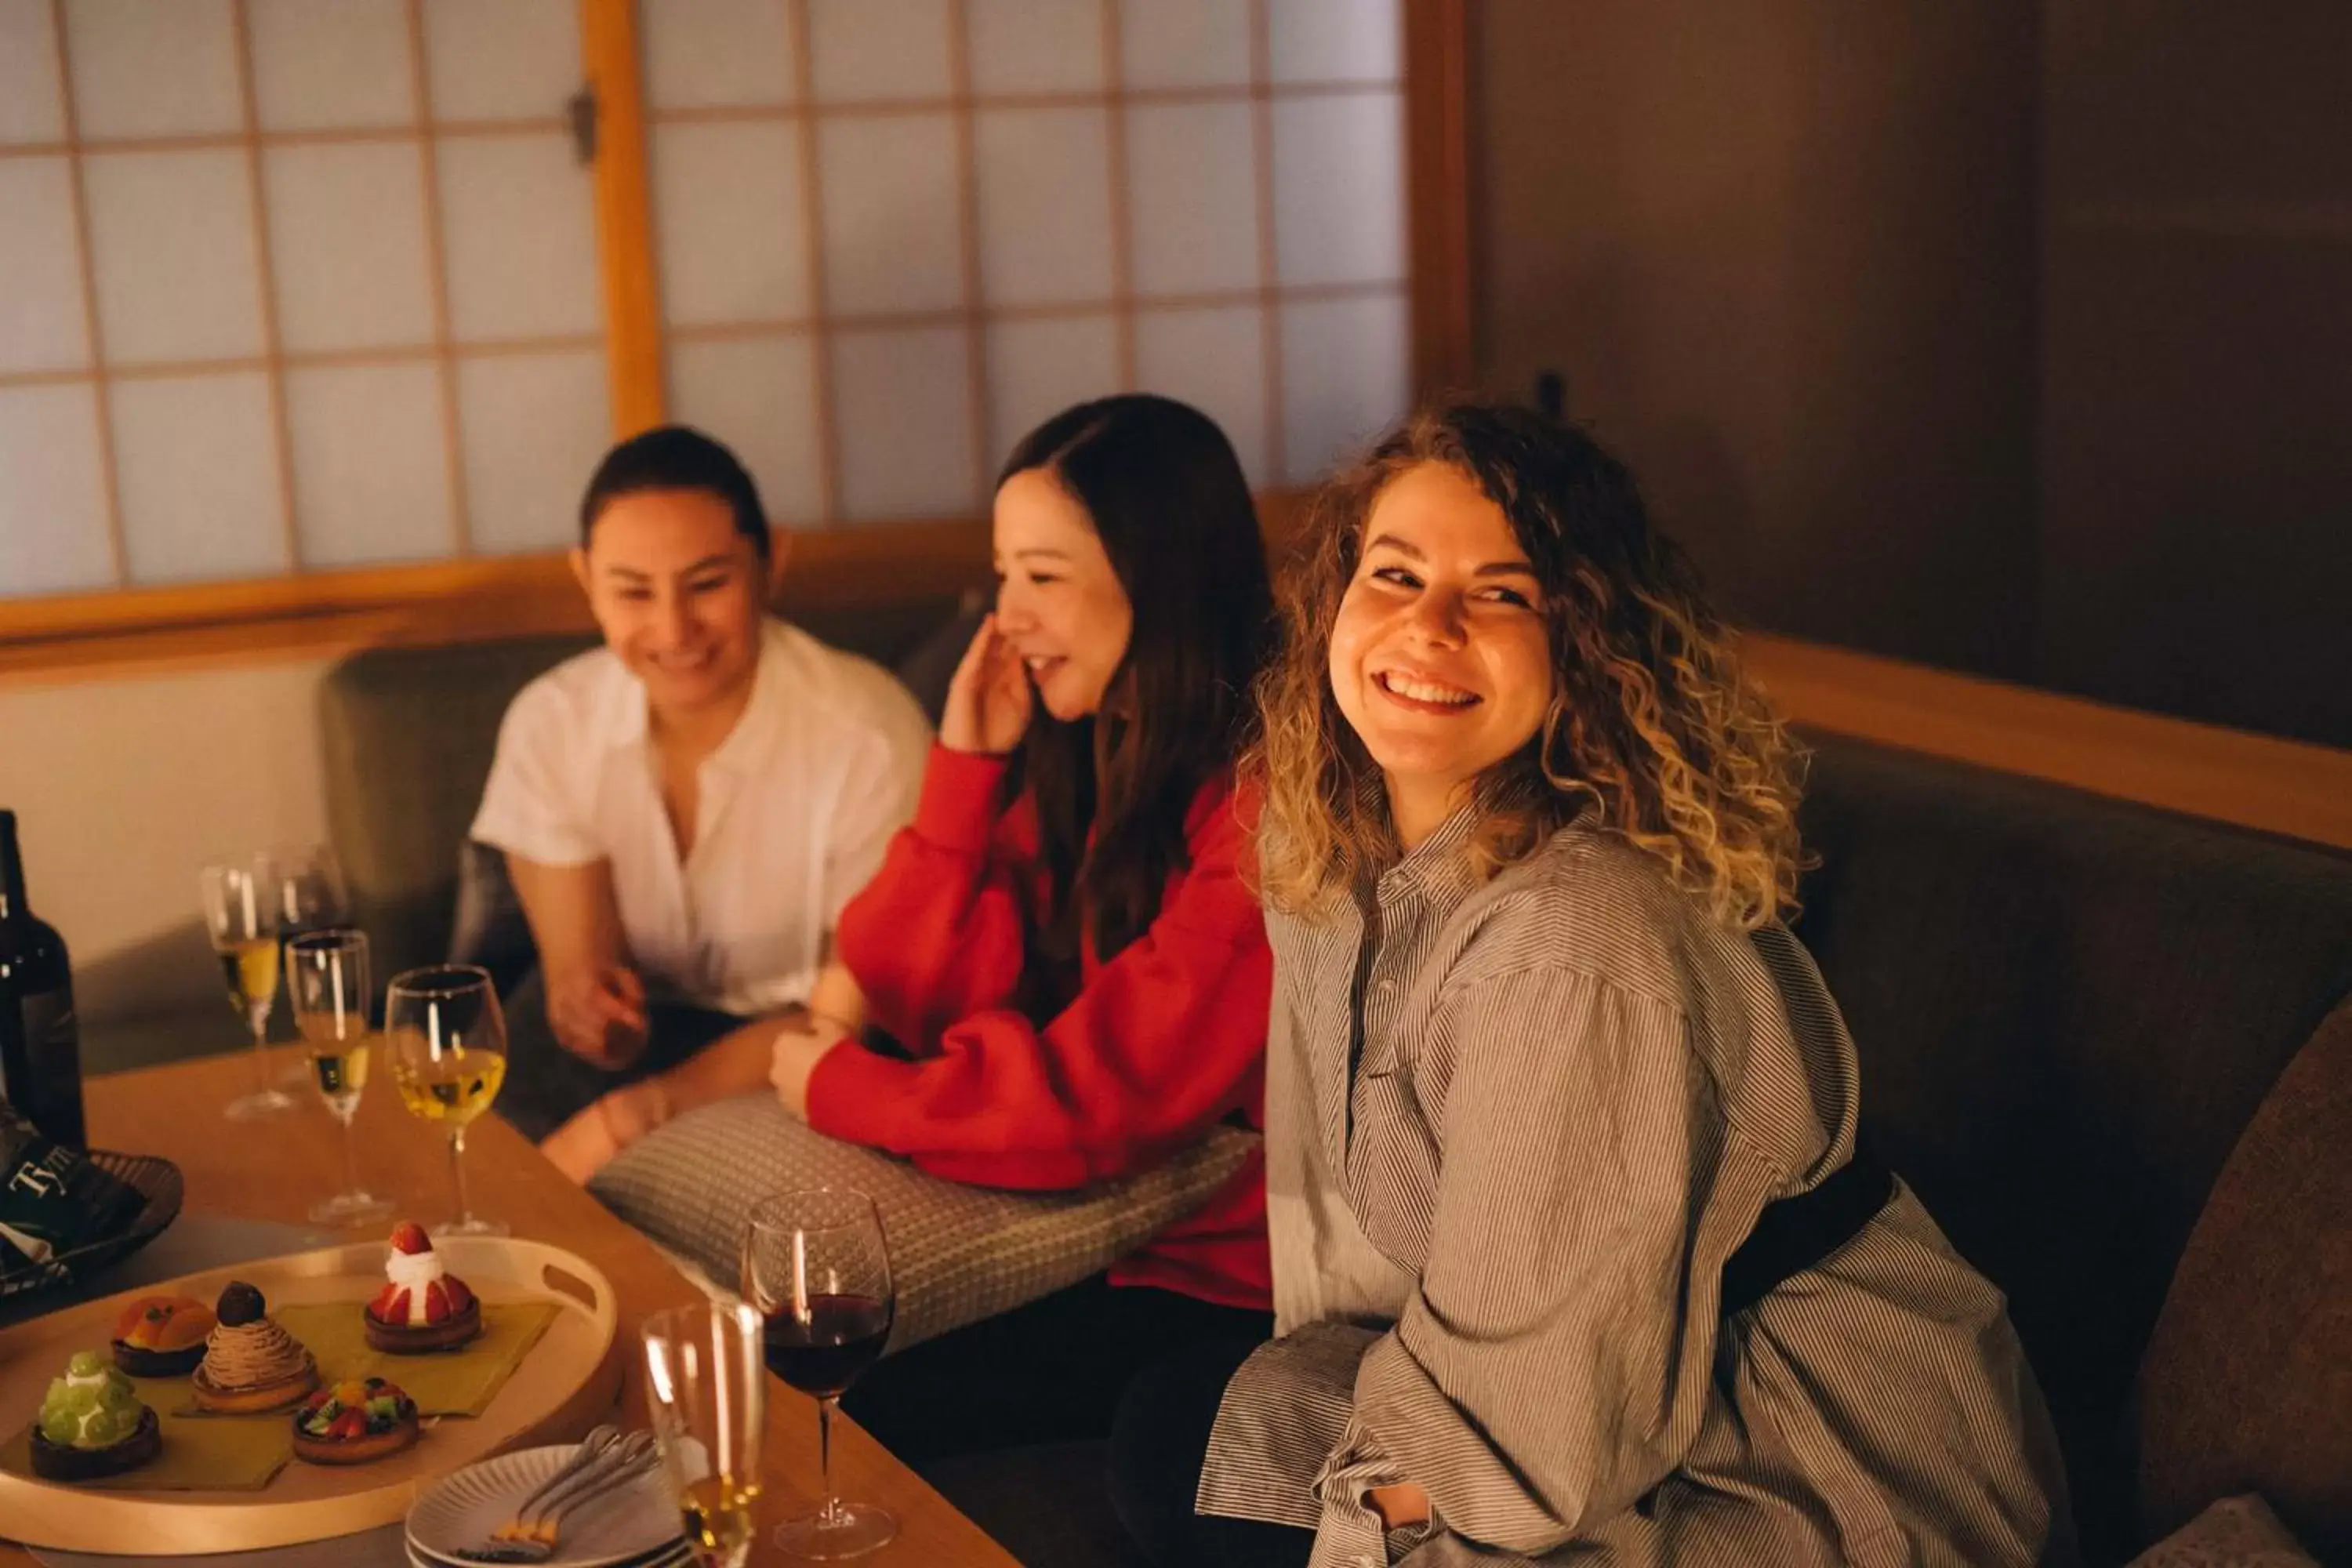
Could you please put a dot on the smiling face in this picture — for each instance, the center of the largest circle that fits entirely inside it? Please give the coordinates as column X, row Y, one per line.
column 1440, row 659
column 679, row 593
column 1058, row 600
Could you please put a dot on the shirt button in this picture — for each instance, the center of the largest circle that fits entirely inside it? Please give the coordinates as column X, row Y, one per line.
column 1384, row 989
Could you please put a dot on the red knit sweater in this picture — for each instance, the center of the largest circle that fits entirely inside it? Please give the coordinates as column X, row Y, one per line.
column 1155, row 1047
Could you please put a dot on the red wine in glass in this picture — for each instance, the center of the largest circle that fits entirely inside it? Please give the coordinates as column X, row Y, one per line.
column 817, row 1268
column 822, row 1353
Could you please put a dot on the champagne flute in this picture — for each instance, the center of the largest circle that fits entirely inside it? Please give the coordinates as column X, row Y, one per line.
column 310, row 897
column 816, row 1267
column 448, row 1043
column 708, row 1394
column 327, row 986
column 241, row 917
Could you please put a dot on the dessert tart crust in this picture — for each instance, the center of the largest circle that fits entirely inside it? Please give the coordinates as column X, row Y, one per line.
column 53, row 1462
column 408, row 1339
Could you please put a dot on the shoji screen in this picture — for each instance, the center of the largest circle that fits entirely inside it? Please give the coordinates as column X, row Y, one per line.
column 290, row 285
column 895, row 234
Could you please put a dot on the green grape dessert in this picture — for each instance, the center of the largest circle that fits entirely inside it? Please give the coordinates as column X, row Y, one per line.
column 92, row 1423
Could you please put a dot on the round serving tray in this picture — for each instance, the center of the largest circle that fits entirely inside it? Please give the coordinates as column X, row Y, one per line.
column 571, row 1378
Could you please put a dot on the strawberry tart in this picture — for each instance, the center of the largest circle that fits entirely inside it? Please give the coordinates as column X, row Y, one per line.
column 422, row 1306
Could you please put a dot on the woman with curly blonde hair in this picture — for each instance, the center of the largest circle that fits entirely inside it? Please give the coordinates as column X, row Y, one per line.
column 1575, row 1260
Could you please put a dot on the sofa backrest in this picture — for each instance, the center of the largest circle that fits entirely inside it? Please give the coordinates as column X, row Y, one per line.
column 408, row 734
column 2068, row 1009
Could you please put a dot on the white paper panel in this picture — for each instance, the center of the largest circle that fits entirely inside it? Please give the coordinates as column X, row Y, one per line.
column 707, row 54
column 759, row 395
column 891, row 238
column 197, row 469
column 1045, row 204
column 862, row 51
column 1192, row 197
column 42, row 323
column 347, row 245
column 371, row 464
column 30, row 107
column 153, row 67
column 532, row 427
column 1336, row 40
column 518, row 232
column 902, row 403
column 1338, row 189
column 1184, row 43
column 1214, row 360
column 1036, row 46
column 1347, row 374
column 501, row 59
column 53, row 504
column 730, row 214
column 1036, row 369
column 173, row 236
column 333, row 67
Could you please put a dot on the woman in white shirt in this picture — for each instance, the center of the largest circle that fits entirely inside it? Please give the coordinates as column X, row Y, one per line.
column 684, row 810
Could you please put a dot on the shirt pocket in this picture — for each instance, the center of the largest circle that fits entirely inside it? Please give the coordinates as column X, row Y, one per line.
column 1392, row 1165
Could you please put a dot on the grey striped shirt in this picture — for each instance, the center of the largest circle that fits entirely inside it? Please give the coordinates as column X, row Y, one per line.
column 1514, row 1132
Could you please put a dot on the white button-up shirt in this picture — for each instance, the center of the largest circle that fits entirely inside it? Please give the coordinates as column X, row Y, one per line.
column 795, row 808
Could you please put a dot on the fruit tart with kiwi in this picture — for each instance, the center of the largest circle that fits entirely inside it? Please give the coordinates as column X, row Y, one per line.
column 354, row 1421
column 161, row 1336
column 92, row 1423
column 422, row 1306
column 252, row 1365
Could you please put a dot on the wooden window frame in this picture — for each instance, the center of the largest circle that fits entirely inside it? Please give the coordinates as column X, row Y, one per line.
column 323, row 612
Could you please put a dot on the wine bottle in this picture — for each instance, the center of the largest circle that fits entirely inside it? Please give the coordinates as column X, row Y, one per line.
column 40, row 1045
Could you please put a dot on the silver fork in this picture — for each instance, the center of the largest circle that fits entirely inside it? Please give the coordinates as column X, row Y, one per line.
column 533, row 1534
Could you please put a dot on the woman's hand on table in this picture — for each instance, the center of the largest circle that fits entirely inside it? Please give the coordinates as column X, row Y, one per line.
column 588, row 1142
column 800, row 1045
column 988, row 700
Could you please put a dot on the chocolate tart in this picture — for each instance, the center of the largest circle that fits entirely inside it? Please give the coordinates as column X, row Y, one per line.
column 54, row 1462
column 418, row 1339
column 165, row 1319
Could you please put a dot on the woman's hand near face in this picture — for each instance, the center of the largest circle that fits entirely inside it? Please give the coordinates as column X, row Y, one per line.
column 988, row 702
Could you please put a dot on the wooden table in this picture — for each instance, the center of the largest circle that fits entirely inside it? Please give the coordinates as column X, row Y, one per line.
column 275, row 1169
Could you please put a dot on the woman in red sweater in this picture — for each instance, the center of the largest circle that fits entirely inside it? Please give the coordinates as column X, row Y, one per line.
column 1064, row 939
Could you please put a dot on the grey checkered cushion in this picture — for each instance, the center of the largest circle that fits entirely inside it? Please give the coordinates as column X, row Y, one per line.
column 958, row 1254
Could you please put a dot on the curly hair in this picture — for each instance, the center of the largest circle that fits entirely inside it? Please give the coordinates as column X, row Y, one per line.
column 1652, row 726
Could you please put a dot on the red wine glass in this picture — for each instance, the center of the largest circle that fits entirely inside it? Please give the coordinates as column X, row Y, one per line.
column 817, row 1268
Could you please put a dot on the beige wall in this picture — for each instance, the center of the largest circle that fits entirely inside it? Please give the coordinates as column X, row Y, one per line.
column 123, row 786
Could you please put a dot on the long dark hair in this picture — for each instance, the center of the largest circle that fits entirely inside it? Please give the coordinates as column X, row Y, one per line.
column 1166, row 495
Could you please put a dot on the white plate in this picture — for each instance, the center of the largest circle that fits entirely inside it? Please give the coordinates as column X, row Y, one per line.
column 682, row 1558
column 629, row 1522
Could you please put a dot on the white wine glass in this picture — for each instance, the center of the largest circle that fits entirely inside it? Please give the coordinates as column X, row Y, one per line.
column 446, row 1041
column 310, row 896
column 241, row 905
column 327, row 987
column 816, row 1267
column 707, row 1392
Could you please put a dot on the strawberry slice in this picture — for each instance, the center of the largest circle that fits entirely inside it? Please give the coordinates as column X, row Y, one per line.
column 391, row 1305
column 437, row 1303
column 461, row 1297
column 349, row 1424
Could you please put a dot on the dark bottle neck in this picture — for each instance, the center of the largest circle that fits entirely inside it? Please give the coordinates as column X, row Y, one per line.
column 12, row 870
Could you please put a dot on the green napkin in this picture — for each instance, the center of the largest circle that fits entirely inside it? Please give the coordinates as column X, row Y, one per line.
column 234, row 1454
column 461, row 1382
